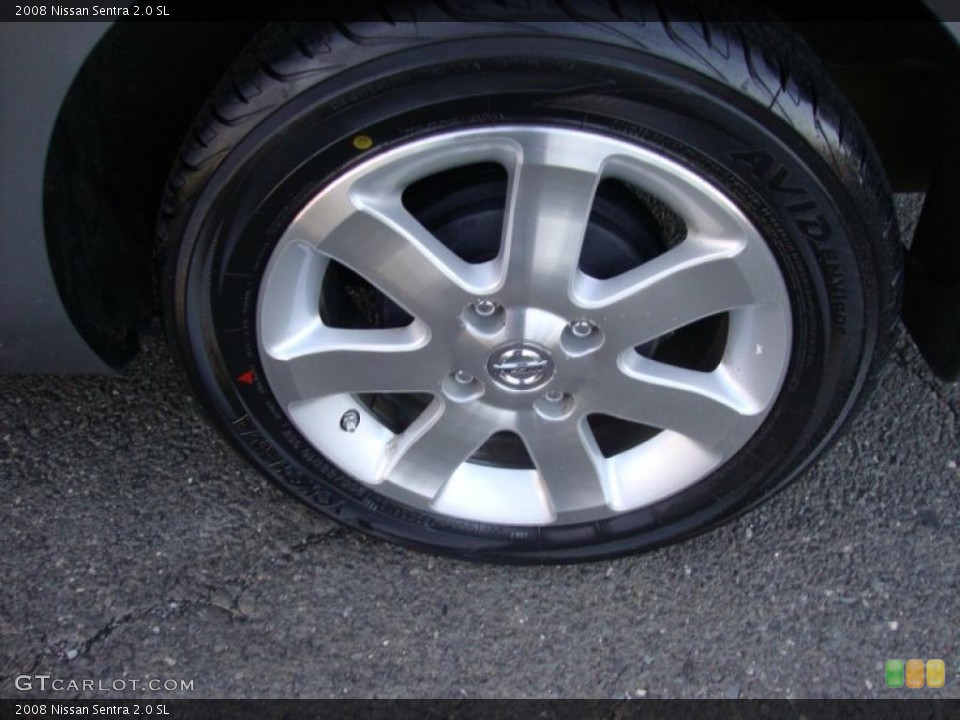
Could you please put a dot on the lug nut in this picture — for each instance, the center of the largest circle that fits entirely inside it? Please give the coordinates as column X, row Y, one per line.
column 553, row 396
column 350, row 421
column 485, row 308
column 581, row 328
column 463, row 377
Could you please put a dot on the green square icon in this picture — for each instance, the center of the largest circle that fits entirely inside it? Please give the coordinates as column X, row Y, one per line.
column 894, row 673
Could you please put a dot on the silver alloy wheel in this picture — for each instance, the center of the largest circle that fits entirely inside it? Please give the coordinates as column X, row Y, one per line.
column 526, row 342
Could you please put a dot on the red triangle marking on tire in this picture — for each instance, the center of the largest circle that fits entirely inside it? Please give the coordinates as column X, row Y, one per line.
column 246, row 378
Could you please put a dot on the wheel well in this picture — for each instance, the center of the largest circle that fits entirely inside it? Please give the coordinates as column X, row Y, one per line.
column 140, row 89
column 112, row 147
column 903, row 79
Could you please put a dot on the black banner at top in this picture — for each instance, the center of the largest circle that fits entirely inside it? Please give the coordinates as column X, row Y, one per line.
column 348, row 10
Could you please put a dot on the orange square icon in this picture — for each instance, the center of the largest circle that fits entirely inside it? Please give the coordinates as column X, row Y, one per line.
column 936, row 673
column 914, row 673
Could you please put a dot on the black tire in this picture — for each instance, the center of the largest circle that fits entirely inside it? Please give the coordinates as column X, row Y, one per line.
column 745, row 105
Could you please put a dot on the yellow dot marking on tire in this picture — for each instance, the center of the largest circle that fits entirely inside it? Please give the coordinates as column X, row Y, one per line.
column 363, row 142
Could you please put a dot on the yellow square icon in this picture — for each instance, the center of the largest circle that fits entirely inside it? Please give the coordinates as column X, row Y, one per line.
column 936, row 673
column 914, row 673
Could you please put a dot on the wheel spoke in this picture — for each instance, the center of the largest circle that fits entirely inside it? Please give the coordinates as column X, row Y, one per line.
column 706, row 407
column 570, row 464
column 379, row 240
column 548, row 205
column 328, row 361
column 427, row 454
column 686, row 284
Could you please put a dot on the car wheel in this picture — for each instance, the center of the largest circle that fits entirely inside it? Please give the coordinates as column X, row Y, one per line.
column 529, row 291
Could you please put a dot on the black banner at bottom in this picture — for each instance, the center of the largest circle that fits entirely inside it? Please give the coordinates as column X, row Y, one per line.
column 487, row 709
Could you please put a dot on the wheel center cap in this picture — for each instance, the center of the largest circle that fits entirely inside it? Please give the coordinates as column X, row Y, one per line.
column 521, row 366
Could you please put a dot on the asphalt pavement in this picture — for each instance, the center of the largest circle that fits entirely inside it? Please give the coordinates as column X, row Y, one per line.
column 135, row 545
